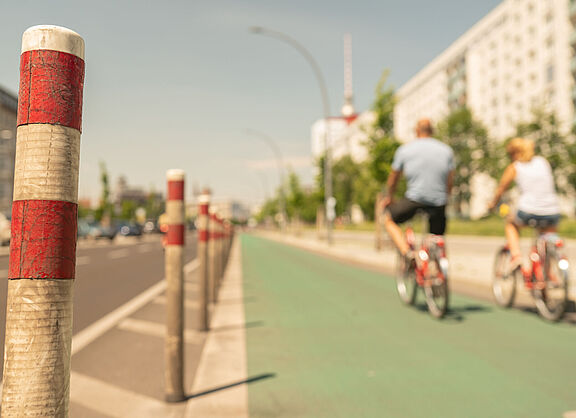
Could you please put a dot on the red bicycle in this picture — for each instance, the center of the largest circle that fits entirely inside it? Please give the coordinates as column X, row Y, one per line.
column 429, row 271
column 546, row 277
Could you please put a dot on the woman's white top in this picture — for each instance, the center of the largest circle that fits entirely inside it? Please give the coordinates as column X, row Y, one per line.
column 536, row 183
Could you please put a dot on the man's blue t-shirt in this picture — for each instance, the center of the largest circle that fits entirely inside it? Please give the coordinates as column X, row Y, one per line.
column 426, row 163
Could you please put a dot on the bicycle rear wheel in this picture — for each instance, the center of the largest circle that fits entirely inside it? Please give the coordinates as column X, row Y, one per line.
column 552, row 295
column 436, row 284
column 405, row 281
column 504, row 280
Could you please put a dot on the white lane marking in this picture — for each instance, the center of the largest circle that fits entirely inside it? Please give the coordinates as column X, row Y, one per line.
column 90, row 333
column 153, row 329
column 118, row 253
column 144, row 248
column 223, row 359
column 82, row 260
column 114, row 401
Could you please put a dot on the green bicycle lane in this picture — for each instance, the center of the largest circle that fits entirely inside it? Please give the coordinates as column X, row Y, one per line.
column 334, row 341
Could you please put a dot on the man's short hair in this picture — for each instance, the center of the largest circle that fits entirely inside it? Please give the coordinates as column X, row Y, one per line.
column 424, row 127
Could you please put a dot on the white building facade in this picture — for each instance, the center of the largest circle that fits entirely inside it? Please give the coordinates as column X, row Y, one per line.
column 347, row 136
column 517, row 58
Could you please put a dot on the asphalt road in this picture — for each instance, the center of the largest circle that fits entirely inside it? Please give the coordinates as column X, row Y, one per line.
column 108, row 274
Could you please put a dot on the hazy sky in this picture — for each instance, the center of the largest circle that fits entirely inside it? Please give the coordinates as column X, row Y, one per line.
column 175, row 84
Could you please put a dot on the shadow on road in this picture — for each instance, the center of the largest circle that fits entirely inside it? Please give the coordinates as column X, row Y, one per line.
column 458, row 313
column 569, row 315
column 252, row 379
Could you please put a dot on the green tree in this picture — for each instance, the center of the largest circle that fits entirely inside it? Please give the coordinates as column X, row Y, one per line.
column 381, row 141
column 472, row 152
column 366, row 189
column 558, row 148
column 154, row 205
column 295, row 197
column 128, row 212
column 105, row 209
column 344, row 173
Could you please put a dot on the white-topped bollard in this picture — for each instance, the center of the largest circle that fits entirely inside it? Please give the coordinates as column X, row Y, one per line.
column 203, row 258
column 44, row 224
column 174, row 270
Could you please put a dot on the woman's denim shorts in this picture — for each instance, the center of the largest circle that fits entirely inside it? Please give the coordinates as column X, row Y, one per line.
column 536, row 221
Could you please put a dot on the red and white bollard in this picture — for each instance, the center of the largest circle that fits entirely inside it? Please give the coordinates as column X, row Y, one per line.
column 174, row 260
column 44, row 224
column 212, row 256
column 203, row 258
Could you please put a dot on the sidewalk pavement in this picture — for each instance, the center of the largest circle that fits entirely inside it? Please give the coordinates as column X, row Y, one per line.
column 471, row 257
column 118, row 362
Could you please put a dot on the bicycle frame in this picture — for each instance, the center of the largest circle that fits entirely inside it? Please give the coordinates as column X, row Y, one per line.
column 423, row 253
column 533, row 275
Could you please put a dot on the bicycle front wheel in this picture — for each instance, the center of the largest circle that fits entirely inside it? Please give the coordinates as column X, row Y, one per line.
column 552, row 294
column 436, row 285
column 405, row 281
column 504, row 280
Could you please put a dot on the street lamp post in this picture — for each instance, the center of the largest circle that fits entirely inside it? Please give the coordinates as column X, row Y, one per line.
column 279, row 161
column 329, row 200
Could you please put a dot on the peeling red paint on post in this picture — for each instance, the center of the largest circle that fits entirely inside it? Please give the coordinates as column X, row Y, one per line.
column 175, row 190
column 43, row 242
column 51, row 85
column 203, row 216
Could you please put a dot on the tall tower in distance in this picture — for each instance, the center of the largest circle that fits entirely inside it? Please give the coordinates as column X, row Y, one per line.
column 348, row 107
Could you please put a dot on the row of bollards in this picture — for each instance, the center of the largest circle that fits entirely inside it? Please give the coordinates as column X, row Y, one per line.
column 214, row 243
column 42, row 262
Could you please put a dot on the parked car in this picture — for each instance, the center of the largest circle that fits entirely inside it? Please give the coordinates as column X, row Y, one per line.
column 100, row 231
column 151, row 227
column 129, row 229
column 84, row 228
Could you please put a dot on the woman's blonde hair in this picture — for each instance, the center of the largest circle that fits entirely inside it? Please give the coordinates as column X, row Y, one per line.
column 520, row 149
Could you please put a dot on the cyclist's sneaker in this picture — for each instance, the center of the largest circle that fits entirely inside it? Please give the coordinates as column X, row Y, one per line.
column 410, row 259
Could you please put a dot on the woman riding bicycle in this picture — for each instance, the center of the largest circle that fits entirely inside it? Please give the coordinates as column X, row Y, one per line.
column 538, row 203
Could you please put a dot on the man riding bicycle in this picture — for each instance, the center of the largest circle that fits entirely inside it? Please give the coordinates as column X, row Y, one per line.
column 428, row 166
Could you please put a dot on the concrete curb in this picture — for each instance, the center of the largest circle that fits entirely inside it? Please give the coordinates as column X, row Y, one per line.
column 219, row 389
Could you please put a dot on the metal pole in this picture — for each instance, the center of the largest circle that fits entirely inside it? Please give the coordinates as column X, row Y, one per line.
column 174, row 259
column 328, row 198
column 203, row 258
column 44, row 225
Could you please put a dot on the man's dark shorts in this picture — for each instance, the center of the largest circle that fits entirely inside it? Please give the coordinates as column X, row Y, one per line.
column 404, row 209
